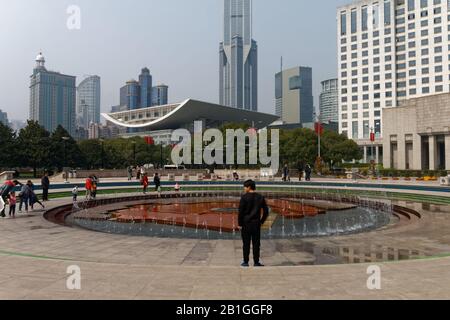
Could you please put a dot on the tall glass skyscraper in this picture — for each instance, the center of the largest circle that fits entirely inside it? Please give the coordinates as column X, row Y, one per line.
column 238, row 57
column 145, row 82
column 52, row 98
column 4, row 118
column 88, row 101
column 160, row 95
column 130, row 95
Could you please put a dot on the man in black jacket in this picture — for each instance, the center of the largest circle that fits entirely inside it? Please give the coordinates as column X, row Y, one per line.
column 45, row 184
column 250, row 221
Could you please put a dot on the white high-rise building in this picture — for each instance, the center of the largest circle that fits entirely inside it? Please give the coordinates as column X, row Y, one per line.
column 88, row 101
column 388, row 51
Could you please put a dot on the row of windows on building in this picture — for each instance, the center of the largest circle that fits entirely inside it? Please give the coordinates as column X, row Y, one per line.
column 367, row 128
column 386, row 8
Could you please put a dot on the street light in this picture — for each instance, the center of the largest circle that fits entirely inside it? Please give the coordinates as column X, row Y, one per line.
column 103, row 153
column 65, row 139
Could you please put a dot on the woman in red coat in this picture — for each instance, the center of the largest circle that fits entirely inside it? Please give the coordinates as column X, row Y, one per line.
column 144, row 182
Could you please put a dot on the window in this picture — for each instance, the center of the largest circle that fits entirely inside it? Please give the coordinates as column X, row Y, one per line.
column 411, row 5
column 343, row 23
column 387, row 12
column 353, row 21
column 364, row 18
column 295, row 82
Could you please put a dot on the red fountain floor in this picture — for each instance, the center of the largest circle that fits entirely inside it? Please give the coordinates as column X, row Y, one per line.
column 216, row 216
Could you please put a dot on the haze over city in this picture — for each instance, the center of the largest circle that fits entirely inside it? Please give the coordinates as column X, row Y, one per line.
column 177, row 40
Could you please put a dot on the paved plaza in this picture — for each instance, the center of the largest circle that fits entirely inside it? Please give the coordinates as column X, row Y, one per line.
column 35, row 255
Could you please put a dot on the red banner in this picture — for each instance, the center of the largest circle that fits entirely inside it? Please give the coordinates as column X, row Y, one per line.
column 372, row 137
column 318, row 128
column 150, row 141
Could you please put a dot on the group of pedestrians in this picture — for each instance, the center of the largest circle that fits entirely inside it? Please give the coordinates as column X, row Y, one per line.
column 27, row 196
column 91, row 186
column 303, row 171
column 145, row 182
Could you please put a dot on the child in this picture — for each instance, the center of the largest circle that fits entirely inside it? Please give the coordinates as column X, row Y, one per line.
column 12, row 204
column 144, row 182
column 177, row 187
column 75, row 196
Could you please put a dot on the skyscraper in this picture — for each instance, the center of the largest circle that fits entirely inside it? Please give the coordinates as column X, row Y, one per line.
column 88, row 101
column 293, row 95
column 145, row 83
column 389, row 51
column 160, row 95
column 329, row 101
column 130, row 95
column 52, row 98
column 238, row 57
column 4, row 118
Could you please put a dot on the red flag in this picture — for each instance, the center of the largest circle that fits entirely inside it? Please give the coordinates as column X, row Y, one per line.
column 318, row 128
column 372, row 137
column 150, row 141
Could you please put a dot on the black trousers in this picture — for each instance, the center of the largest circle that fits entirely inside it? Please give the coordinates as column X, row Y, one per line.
column 251, row 234
column 45, row 194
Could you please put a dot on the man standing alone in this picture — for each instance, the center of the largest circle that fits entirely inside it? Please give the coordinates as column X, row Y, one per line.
column 45, row 184
column 250, row 221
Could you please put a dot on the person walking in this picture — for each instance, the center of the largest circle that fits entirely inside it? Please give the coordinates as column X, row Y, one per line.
column 251, row 207
column 138, row 173
column 24, row 195
column 45, row 183
column 286, row 173
column 308, row 172
column 157, row 182
column 144, row 183
column 88, row 186
column 130, row 173
column 301, row 169
column 5, row 190
column 95, row 182
column 12, row 204
column 33, row 197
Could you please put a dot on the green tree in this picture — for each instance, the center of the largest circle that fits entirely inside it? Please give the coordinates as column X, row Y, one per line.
column 34, row 146
column 91, row 155
column 64, row 150
column 7, row 147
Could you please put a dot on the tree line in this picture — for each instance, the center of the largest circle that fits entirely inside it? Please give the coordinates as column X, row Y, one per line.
column 36, row 148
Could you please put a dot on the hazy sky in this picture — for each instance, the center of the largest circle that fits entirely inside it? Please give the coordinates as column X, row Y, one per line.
column 177, row 39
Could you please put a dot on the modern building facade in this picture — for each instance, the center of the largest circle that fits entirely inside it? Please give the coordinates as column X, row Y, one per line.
column 88, row 101
column 159, row 122
column 238, row 57
column 416, row 135
column 130, row 95
column 4, row 118
column 329, row 101
column 52, row 98
column 160, row 95
column 145, row 84
column 389, row 51
column 294, row 101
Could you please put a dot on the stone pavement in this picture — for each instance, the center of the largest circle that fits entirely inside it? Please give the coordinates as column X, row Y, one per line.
column 35, row 254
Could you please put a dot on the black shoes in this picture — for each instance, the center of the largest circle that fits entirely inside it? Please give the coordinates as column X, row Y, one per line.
column 257, row 265
column 245, row 264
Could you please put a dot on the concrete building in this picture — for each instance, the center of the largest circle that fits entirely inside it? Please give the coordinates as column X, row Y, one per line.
column 88, row 101
column 388, row 51
column 160, row 95
column 238, row 57
column 329, row 101
column 294, row 101
column 52, row 98
column 4, row 118
column 417, row 134
column 159, row 122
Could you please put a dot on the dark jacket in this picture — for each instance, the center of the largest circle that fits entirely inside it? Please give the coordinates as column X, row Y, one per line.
column 250, row 209
column 45, row 182
column 157, row 181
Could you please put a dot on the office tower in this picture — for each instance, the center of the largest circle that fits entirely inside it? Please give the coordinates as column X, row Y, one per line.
column 88, row 101
column 160, row 95
column 52, row 98
column 238, row 57
column 294, row 102
column 389, row 51
column 4, row 118
column 329, row 101
column 130, row 95
column 145, row 83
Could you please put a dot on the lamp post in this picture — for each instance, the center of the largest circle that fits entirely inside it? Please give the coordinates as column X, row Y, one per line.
column 66, row 173
column 103, row 153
